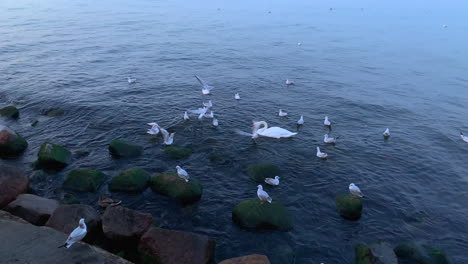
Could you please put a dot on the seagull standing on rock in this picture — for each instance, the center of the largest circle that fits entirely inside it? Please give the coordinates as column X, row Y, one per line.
column 182, row 173
column 355, row 190
column 273, row 181
column 262, row 195
column 76, row 235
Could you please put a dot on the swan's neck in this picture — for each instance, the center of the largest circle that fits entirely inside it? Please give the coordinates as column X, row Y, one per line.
column 262, row 123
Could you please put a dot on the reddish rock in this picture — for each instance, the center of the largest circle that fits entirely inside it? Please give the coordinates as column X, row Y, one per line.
column 119, row 223
column 32, row 208
column 66, row 217
column 4, row 215
column 176, row 247
column 13, row 182
column 250, row 259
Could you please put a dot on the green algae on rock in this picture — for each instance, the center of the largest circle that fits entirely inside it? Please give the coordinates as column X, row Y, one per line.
column 376, row 253
column 84, row 180
column 259, row 172
column 11, row 143
column 120, row 148
column 420, row 253
column 53, row 156
column 258, row 215
column 131, row 180
column 349, row 206
column 175, row 152
column 9, row 112
column 170, row 184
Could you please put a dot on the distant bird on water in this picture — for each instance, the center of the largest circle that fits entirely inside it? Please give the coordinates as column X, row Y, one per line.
column 329, row 140
column 355, row 190
column 215, row 122
column 281, row 113
column 262, row 195
column 386, row 133
column 320, row 154
column 209, row 104
column 300, row 122
column 326, row 122
column 273, row 181
column 186, row 116
column 463, row 137
column 237, row 96
column 76, row 235
column 131, row 80
column 206, row 89
column 289, row 82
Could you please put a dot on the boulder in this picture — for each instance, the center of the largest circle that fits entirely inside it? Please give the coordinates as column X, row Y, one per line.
column 119, row 223
column 258, row 215
column 53, row 112
column 13, row 182
column 164, row 246
column 349, row 206
column 259, row 172
column 69, row 198
column 377, row 253
column 84, row 180
column 11, row 143
column 131, row 180
column 177, row 153
column 120, row 148
column 170, row 184
column 4, row 215
column 32, row 208
column 250, row 259
column 9, row 112
column 53, row 157
column 420, row 253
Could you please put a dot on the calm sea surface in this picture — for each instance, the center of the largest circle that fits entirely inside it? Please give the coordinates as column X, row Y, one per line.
column 366, row 65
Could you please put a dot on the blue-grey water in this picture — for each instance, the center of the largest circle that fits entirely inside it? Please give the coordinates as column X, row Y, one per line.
column 367, row 65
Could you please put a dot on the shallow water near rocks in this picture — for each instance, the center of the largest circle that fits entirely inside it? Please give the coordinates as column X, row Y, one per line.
column 385, row 65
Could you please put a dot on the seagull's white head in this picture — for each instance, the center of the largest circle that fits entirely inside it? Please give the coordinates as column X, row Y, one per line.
column 277, row 177
column 177, row 167
column 82, row 223
column 260, row 187
column 352, row 185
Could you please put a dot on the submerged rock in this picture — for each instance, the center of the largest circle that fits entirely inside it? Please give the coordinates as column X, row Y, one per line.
column 175, row 152
column 11, row 143
column 120, row 148
column 170, row 184
column 164, row 246
column 53, row 156
column 13, row 182
column 259, row 172
column 377, row 253
column 34, row 122
column 69, row 198
column 250, row 259
column 84, row 180
column 32, row 208
column 53, row 112
column 349, row 206
column 258, row 215
column 9, row 112
column 119, row 223
column 131, row 180
column 421, row 253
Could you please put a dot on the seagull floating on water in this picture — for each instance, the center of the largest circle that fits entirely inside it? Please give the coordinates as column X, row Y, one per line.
column 289, row 82
column 206, row 88
column 200, row 111
column 355, row 190
column 76, row 235
column 281, row 113
column 215, row 122
column 329, row 140
column 321, row 155
column 131, row 80
column 210, row 115
column 182, row 173
column 299, row 44
column 463, row 137
column 168, row 138
column 262, row 195
column 300, row 121
column 209, row 104
column 326, row 122
column 273, row 181
column 386, row 133
column 186, row 116
column 237, row 96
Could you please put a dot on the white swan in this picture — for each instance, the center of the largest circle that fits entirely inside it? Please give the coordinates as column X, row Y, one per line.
column 182, row 173
column 262, row 195
column 289, row 82
column 209, row 104
column 168, row 139
column 206, row 88
column 386, row 133
column 329, row 140
column 300, row 121
column 281, row 113
column 273, row 181
column 355, row 190
column 273, row 132
column 186, row 116
column 326, row 122
column 321, row 155
column 463, row 137
column 131, row 80
column 215, row 122
column 76, row 235
column 237, row 96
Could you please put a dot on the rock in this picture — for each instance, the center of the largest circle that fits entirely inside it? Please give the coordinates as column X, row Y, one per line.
column 421, row 253
column 66, row 217
column 32, row 208
column 177, row 153
column 9, row 112
column 53, row 157
column 34, row 122
column 164, row 246
column 169, row 184
column 53, row 112
column 11, row 143
column 4, row 215
column 253, row 214
column 250, row 259
column 120, row 148
column 32, row 244
column 131, row 180
column 70, row 199
column 377, row 253
column 259, row 172
column 220, row 158
column 119, row 223
column 84, row 180
column 13, row 182
column 349, row 206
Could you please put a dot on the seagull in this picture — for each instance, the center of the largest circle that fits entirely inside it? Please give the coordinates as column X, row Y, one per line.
column 200, row 111
column 281, row 113
column 237, row 96
column 288, row 82
column 210, row 115
column 215, row 122
column 186, row 117
column 329, row 140
column 206, row 88
column 182, row 173
column 300, row 122
column 299, row 44
column 273, row 181
column 76, row 235
column 262, row 195
column 326, row 122
column 208, row 105
column 355, row 190
column 463, row 137
column 154, row 130
column 131, row 80
column 321, row 155
column 444, row 26
column 168, row 139
column 386, row 133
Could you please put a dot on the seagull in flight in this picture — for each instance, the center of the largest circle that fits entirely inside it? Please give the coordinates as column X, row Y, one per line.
column 206, row 89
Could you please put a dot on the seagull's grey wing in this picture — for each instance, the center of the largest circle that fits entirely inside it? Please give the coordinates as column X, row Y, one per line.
column 198, row 111
column 164, row 132
column 201, row 81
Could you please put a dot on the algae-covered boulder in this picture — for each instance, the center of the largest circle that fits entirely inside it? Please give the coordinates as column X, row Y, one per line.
column 131, row 180
column 11, row 143
column 53, row 112
column 69, row 198
column 349, row 206
column 175, row 152
column 420, row 253
column 84, row 180
column 170, row 184
column 53, row 156
column 120, row 148
column 258, row 215
column 9, row 112
column 259, row 172
column 377, row 253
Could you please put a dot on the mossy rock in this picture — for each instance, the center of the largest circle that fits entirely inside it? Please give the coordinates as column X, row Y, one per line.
column 53, row 112
column 70, row 199
column 349, row 206
column 376, row 253
column 259, row 172
column 53, row 156
column 9, row 112
column 11, row 143
column 420, row 253
column 170, row 184
column 84, row 180
column 177, row 153
column 131, row 180
column 257, row 215
column 120, row 148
